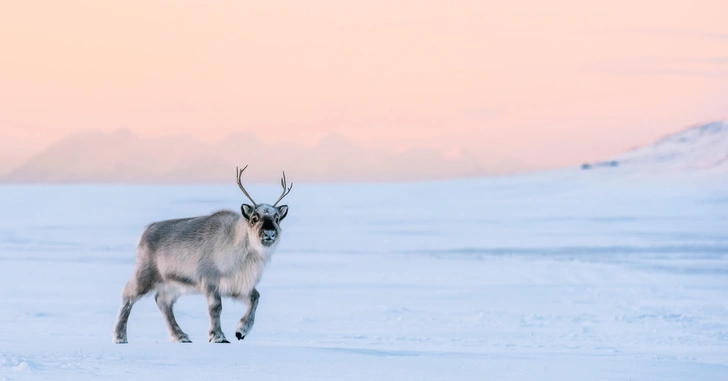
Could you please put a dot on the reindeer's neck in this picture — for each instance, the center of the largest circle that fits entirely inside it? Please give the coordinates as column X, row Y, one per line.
column 249, row 242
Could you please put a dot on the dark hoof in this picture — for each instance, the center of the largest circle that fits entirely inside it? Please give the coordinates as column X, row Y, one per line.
column 239, row 335
column 225, row 342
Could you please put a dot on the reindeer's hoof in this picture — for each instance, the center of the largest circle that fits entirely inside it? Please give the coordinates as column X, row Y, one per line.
column 181, row 339
column 218, row 339
column 239, row 335
column 120, row 341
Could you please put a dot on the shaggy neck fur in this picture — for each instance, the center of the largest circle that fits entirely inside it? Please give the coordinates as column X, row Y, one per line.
column 249, row 241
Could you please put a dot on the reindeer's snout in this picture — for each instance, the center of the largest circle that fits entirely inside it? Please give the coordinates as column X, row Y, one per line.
column 268, row 237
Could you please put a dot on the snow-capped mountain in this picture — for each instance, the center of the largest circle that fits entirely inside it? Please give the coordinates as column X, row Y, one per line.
column 703, row 147
column 123, row 157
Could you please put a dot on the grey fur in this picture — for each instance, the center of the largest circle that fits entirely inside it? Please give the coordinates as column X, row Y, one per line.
column 222, row 254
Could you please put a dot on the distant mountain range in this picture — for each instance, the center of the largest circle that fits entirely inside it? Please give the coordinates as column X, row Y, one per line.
column 702, row 147
column 124, row 157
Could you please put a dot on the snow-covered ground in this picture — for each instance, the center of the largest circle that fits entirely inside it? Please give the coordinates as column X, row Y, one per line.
column 565, row 275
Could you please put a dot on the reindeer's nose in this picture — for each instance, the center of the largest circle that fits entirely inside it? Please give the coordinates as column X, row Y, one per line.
column 269, row 234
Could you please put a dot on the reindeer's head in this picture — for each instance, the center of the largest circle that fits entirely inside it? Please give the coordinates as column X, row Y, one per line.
column 265, row 219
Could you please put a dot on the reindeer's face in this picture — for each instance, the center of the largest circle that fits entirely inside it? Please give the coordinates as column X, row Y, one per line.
column 265, row 221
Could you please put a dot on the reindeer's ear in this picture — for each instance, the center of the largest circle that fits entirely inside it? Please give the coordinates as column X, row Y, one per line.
column 247, row 211
column 282, row 211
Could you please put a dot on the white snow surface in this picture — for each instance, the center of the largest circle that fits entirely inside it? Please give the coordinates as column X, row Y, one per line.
column 564, row 275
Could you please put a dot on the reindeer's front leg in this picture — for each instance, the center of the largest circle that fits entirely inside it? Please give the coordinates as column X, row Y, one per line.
column 246, row 322
column 214, row 305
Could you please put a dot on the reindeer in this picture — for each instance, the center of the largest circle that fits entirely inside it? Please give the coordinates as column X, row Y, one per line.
column 222, row 254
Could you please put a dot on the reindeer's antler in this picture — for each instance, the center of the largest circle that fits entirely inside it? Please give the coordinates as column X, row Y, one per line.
column 239, row 172
column 285, row 191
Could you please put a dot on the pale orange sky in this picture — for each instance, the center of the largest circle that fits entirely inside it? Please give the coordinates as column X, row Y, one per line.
column 519, row 83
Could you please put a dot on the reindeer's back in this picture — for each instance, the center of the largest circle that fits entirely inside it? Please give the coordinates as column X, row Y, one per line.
column 189, row 234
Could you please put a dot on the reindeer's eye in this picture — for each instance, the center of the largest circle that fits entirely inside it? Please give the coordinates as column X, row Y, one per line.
column 254, row 219
column 277, row 219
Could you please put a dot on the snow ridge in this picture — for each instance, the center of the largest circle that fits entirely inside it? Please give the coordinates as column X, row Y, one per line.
column 703, row 147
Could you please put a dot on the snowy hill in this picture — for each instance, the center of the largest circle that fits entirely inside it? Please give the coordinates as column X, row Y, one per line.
column 703, row 147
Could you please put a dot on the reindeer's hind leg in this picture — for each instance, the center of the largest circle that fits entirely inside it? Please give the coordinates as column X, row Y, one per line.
column 144, row 279
column 165, row 300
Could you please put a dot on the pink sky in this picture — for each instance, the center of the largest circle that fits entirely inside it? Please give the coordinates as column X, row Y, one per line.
column 515, row 84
